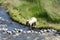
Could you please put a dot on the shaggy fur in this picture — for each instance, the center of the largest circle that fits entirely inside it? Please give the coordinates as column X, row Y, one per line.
column 31, row 22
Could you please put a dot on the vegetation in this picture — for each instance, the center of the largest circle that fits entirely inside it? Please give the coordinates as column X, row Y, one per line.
column 47, row 12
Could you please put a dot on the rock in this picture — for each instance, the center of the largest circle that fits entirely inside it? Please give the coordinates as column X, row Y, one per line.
column 45, row 30
column 13, row 31
column 28, row 31
column 32, row 31
column 18, row 30
column 4, row 29
column 9, row 32
column 49, row 30
column 41, row 31
column 21, row 30
column 53, row 30
column 36, row 32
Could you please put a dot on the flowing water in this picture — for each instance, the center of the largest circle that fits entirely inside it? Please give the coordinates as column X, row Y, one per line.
column 7, row 23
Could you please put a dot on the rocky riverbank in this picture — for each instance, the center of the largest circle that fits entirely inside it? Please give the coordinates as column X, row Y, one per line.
column 19, row 34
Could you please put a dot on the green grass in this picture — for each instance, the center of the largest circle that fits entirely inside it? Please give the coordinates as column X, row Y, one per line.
column 47, row 12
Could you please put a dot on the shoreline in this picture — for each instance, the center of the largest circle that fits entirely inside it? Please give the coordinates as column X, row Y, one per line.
column 32, row 27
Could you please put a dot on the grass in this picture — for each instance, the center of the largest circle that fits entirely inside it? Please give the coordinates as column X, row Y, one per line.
column 47, row 12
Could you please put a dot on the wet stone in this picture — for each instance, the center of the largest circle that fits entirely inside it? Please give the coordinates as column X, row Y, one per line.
column 45, row 30
column 9, row 32
column 21, row 30
column 32, row 31
column 28, row 31
column 13, row 32
column 36, row 32
column 54, row 30
column 49, row 30
column 41, row 31
column 3, row 29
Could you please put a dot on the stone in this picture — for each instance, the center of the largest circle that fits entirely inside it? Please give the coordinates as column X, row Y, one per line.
column 49, row 30
column 21, row 30
column 9, row 32
column 13, row 31
column 41, row 31
column 45, row 30
column 54, row 30
column 32, row 31
column 5, row 29
column 28, row 31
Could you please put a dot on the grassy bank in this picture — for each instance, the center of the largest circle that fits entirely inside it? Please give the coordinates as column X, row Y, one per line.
column 47, row 12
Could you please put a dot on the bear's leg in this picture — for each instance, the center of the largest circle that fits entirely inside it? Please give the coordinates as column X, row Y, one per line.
column 34, row 24
column 31, row 26
column 27, row 23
